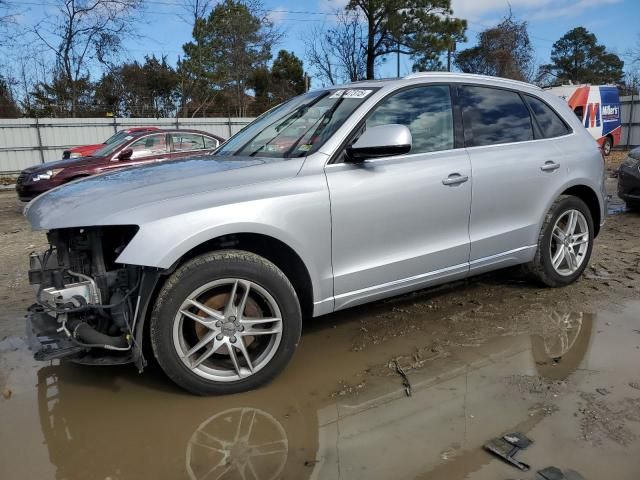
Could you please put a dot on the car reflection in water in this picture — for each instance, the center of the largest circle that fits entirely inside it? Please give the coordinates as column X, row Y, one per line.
column 95, row 429
column 238, row 443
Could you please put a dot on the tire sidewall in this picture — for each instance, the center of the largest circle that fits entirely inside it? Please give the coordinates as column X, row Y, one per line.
column 607, row 143
column 205, row 269
column 569, row 203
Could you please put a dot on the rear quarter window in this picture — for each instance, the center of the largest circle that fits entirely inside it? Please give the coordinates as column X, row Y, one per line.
column 550, row 123
column 495, row 116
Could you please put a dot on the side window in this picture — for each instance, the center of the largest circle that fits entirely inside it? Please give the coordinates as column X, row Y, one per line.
column 550, row 122
column 210, row 142
column 495, row 116
column 184, row 142
column 426, row 111
column 151, row 145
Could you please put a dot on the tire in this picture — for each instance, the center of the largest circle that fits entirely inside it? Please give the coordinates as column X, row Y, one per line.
column 542, row 265
column 246, row 352
column 633, row 206
column 607, row 145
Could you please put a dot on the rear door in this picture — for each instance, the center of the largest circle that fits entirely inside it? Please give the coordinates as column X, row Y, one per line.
column 188, row 144
column 515, row 173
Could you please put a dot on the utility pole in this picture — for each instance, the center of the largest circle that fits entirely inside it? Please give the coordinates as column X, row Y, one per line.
column 450, row 50
column 398, row 58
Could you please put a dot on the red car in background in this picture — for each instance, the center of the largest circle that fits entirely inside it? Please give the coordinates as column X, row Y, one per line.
column 136, row 148
column 86, row 150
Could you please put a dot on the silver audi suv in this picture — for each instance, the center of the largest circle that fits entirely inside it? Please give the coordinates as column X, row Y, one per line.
column 338, row 197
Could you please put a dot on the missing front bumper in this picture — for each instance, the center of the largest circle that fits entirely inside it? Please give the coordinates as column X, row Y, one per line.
column 44, row 339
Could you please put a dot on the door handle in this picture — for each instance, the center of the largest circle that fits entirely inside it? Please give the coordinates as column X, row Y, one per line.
column 549, row 166
column 455, row 179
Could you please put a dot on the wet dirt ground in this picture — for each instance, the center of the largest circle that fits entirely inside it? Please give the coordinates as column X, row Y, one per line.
column 483, row 357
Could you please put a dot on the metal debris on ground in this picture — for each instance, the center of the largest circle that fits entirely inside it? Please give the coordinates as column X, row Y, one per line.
column 554, row 473
column 507, row 446
column 405, row 380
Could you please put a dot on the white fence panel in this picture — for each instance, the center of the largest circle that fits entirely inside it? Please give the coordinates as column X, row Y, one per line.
column 29, row 141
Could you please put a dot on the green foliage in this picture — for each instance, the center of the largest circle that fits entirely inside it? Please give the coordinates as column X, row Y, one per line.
column 228, row 47
column 423, row 29
column 503, row 51
column 577, row 57
column 60, row 97
column 139, row 90
column 283, row 81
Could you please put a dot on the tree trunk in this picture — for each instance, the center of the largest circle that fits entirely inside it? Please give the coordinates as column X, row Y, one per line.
column 371, row 58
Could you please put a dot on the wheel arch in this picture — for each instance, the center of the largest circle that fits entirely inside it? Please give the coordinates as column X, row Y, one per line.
column 273, row 249
column 276, row 251
column 590, row 198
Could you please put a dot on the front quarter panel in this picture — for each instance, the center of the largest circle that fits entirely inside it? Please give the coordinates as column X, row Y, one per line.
column 294, row 211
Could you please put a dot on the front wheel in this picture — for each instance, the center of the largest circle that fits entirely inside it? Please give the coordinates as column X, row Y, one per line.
column 607, row 145
column 565, row 242
column 225, row 322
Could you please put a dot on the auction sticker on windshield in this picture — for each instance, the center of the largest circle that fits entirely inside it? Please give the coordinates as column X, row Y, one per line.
column 355, row 93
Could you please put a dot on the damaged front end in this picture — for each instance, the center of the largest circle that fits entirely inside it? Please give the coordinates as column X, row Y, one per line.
column 87, row 304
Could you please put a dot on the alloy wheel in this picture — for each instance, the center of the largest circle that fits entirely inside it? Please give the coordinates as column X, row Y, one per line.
column 569, row 242
column 227, row 330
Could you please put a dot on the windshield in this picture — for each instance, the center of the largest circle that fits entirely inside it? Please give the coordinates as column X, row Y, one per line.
column 109, row 148
column 116, row 138
column 298, row 127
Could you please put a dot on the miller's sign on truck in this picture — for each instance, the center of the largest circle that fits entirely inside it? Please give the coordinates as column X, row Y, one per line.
column 598, row 106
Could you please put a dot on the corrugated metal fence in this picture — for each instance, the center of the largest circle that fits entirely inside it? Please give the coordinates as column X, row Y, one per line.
column 29, row 141
column 630, row 107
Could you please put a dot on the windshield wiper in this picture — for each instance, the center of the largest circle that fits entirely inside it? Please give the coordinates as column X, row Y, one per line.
column 326, row 118
column 300, row 113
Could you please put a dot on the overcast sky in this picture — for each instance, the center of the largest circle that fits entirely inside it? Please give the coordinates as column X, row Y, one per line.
column 615, row 23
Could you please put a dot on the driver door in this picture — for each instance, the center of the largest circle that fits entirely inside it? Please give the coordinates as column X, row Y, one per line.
column 148, row 149
column 402, row 222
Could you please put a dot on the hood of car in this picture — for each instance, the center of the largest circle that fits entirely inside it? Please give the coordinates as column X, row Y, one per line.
column 67, row 163
column 134, row 195
column 635, row 153
column 86, row 149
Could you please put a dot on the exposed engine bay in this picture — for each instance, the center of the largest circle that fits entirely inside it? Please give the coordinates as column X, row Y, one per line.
column 87, row 303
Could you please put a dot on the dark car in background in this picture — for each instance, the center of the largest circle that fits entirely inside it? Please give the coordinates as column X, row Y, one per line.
column 137, row 148
column 86, row 150
column 629, row 180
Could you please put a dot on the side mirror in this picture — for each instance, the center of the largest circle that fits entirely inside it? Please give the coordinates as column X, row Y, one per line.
column 381, row 141
column 126, row 154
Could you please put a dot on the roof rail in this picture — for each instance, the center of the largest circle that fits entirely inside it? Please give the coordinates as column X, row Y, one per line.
column 469, row 76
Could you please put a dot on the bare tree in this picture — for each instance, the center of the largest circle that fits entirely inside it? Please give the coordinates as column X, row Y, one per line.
column 83, row 32
column 337, row 52
column 7, row 20
column 503, row 51
column 194, row 10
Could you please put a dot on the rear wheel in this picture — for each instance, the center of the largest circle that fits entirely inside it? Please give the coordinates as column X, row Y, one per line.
column 225, row 322
column 565, row 242
column 607, row 145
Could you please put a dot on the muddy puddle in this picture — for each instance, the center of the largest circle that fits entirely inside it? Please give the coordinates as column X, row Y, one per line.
column 568, row 380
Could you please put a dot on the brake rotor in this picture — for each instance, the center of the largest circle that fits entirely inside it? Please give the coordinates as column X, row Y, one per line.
column 217, row 302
